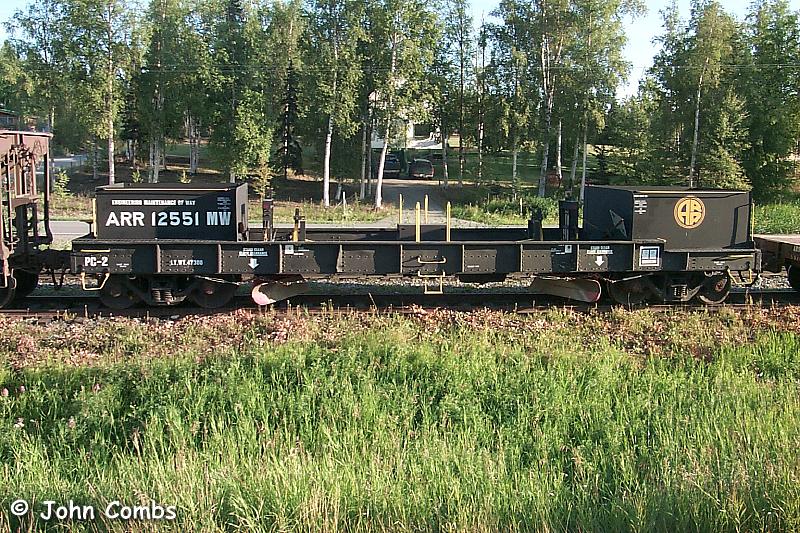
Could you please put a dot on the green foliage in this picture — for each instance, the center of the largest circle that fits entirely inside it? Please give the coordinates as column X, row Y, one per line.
column 777, row 217
column 61, row 183
column 507, row 209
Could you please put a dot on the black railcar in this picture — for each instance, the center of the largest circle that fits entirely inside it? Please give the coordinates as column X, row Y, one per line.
column 683, row 244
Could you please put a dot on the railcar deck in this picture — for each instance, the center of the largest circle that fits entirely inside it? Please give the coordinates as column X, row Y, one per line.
column 783, row 248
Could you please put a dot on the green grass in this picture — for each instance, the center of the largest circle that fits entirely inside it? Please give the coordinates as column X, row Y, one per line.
column 480, row 422
column 503, row 209
column 778, row 217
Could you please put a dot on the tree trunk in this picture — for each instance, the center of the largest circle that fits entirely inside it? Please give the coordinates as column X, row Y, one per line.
column 481, row 117
column 369, row 157
column 461, row 116
column 155, row 159
column 381, row 162
column 326, row 164
column 696, row 128
column 480, row 144
column 574, row 168
column 583, row 169
column 111, row 174
column 514, row 152
column 95, row 155
column 445, row 174
column 548, row 116
column 362, row 182
column 369, row 150
column 52, row 123
column 194, row 148
column 110, row 100
column 558, row 153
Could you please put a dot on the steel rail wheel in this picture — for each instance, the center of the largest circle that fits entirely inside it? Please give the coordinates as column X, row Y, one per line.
column 794, row 277
column 212, row 294
column 715, row 289
column 116, row 294
column 628, row 291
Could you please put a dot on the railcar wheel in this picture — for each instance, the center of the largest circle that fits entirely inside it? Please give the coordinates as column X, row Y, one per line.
column 629, row 291
column 212, row 294
column 116, row 294
column 794, row 277
column 26, row 282
column 8, row 292
column 715, row 289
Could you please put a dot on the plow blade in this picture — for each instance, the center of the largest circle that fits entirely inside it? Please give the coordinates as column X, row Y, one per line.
column 583, row 290
column 276, row 291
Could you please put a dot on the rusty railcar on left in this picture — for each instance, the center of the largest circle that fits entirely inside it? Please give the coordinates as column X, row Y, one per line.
column 25, row 218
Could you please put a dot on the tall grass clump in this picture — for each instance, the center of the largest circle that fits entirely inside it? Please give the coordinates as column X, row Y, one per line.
column 775, row 218
column 409, row 425
column 507, row 209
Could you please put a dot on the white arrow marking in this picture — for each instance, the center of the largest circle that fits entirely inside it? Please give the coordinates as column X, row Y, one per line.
column 253, row 263
column 600, row 260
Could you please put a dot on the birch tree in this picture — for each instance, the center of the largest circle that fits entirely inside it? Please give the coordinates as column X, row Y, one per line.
column 333, row 35
column 405, row 31
column 97, row 36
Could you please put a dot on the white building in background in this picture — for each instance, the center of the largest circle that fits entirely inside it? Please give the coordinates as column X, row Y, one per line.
column 411, row 136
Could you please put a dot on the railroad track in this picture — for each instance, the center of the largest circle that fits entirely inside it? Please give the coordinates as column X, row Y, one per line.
column 46, row 308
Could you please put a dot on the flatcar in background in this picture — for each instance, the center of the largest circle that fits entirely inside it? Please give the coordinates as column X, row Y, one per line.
column 168, row 243
column 781, row 251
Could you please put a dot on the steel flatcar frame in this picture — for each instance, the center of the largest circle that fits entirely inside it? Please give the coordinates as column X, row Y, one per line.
column 471, row 254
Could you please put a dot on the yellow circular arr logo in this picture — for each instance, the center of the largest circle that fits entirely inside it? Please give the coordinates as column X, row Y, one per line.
column 690, row 212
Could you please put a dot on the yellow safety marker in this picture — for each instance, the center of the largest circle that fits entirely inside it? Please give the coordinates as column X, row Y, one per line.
column 426, row 208
column 447, row 231
column 416, row 211
column 400, row 211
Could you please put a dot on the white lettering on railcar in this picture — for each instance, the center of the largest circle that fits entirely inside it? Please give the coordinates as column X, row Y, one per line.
column 253, row 252
column 125, row 218
column 600, row 250
column 186, row 262
column 92, row 261
column 160, row 202
column 175, row 218
column 126, row 202
column 215, row 218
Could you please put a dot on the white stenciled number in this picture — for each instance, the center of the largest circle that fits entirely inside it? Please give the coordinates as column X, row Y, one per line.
column 176, row 218
column 94, row 261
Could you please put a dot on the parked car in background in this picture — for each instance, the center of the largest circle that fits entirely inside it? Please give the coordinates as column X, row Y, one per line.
column 391, row 168
column 420, row 169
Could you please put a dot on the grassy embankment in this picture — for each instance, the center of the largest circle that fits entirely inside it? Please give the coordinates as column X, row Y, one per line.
column 634, row 421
